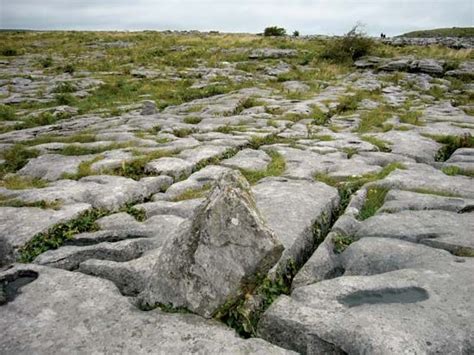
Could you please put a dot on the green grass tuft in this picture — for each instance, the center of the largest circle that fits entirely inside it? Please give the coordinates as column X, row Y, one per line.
column 373, row 201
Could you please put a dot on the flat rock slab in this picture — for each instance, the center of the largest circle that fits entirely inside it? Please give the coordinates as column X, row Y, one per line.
column 439, row 229
column 20, row 225
column 68, row 313
column 406, row 311
column 177, row 168
column 100, row 191
column 248, row 159
column 421, row 177
column 203, row 153
column 293, row 208
column 52, row 166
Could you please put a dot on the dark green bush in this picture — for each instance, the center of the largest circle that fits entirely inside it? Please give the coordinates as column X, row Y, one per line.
column 274, row 31
column 8, row 52
column 350, row 47
column 296, row 33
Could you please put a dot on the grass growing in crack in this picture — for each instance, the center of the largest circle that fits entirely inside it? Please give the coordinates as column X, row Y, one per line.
column 275, row 168
column 182, row 132
column 16, row 158
column 7, row 113
column 434, row 192
column 6, row 201
column 135, row 169
column 191, row 194
column 257, row 141
column 451, row 144
column 83, row 170
column 236, row 313
column 374, row 200
column 192, row 120
column 455, row 170
column 411, row 117
column 57, row 235
column 16, row 182
column 75, row 150
column 247, row 103
column 374, row 119
column 348, row 187
column 464, row 252
column 382, row 145
column 319, row 117
column 349, row 151
column 76, row 138
column 138, row 214
column 341, row 242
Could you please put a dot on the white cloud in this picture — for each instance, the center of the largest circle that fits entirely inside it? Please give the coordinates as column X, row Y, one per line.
column 308, row 16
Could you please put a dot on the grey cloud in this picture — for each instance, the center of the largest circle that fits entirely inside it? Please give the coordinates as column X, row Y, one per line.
column 308, row 16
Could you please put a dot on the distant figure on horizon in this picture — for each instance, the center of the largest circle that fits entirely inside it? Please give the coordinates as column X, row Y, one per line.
column 383, row 35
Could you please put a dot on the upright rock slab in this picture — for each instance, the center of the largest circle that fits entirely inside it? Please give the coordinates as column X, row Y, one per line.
column 219, row 256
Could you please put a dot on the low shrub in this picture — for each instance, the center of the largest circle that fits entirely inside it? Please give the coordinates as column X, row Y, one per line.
column 274, row 31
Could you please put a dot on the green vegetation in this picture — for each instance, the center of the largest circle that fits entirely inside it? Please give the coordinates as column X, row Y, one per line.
column 434, row 192
column 135, row 169
column 341, row 242
column 7, row 113
column 351, row 185
column 82, row 150
column 59, row 234
column 373, row 201
column 455, row 170
column 247, row 103
column 13, row 202
column 193, row 193
column 237, row 314
column 65, row 87
column 382, row 145
column 275, row 168
column 350, row 47
column 16, row 158
column 16, row 182
column 192, row 120
column 373, row 119
column 138, row 214
column 411, row 117
column 451, row 144
column 83, row 170
column 319, row 117
column 43, row 119
column 442, row 32
column 274, row 31
column 182, row 132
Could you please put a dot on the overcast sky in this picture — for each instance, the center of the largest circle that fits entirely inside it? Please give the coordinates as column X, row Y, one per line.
column 307, row 16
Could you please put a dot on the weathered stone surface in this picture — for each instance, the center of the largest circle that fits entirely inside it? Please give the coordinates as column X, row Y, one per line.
column 296, row 86
column 226, row 247
column 20, row 225
column 64, row 313
column 294, row 209
column 264, row 53
column 52, row 166
column 184, row 209
column 248, row 159
column 100, row 191
column 403, row 311
column 440, row 229
column 148, row 108
column 174, row 167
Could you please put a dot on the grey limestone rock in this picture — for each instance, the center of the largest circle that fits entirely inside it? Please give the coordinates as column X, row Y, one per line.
column 219, row 255
column 66, row 312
